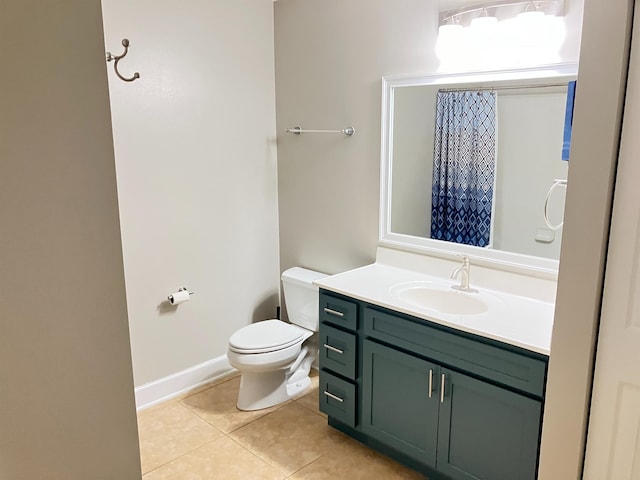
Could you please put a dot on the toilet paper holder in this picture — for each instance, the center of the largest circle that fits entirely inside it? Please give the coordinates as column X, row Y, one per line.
column 179, row 296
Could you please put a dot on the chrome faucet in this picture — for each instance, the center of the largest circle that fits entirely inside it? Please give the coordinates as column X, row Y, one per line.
column 463, row 271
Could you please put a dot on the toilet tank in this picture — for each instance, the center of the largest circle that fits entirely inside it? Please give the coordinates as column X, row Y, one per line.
column 301, row 296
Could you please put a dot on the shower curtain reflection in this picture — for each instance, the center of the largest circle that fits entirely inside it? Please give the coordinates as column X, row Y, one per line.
column 464, row 167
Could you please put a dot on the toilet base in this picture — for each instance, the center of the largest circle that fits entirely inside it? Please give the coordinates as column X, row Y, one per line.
column 260, row 390
column 266, row 389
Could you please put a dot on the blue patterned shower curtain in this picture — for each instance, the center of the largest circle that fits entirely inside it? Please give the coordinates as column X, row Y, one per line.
column 464, row 164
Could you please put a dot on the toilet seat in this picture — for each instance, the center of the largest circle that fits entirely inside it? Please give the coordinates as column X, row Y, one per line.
column 265, row 336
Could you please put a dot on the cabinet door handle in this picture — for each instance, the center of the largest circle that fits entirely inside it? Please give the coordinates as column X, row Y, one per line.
column 443, row 381
column 333, row 349
column 335, row 397
column 333, row 312
column 430, row 383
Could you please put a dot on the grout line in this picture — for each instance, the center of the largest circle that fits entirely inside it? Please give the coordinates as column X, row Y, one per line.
column 208, row 386
column 310, row 463
column 277, row 407
column 195, row 412
column 258, row 457
column 311, row 409
column 217, row 430
column 181, row 456
column 266, row 461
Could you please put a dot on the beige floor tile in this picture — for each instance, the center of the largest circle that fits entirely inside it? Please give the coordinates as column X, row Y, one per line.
column 168, row 431
column 289, row 438
column 207, row 386
column 217, row 405
column 355, row 462
column 310, row 397
column 220, row 459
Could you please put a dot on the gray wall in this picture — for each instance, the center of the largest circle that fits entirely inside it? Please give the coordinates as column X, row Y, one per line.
column 330, row 57
column 66, row 391
column 197, row 178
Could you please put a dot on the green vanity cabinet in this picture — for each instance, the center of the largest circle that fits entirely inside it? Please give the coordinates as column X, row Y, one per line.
column 477, row 430
column 400, row 404
column 485, row 431
column 445, row 402
column 338, row 357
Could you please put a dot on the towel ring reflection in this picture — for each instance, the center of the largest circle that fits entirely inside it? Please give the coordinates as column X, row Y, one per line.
column 117, row 58
column 556, row 183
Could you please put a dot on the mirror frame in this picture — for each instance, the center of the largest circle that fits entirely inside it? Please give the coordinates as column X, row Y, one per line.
column 511, row 261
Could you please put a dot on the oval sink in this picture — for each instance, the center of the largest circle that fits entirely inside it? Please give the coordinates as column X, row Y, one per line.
column 443, row 299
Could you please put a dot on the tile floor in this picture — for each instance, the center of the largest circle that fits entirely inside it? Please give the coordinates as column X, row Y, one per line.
column 202, row 436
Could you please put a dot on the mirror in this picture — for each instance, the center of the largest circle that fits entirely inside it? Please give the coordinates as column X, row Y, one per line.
column 526, row 137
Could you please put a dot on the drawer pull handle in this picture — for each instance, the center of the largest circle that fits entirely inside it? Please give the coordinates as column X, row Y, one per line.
column 444, row 379
column 331, row 395
column 333, row 349
column 430, row 383
column 333, row 312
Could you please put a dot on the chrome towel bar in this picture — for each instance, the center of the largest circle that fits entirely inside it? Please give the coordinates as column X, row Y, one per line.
column 298, row 130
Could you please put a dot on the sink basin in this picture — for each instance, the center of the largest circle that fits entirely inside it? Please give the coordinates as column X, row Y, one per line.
column 442, row 298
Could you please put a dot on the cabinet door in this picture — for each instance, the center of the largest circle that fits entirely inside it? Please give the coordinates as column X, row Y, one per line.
column 486, row 432
column 399, row 402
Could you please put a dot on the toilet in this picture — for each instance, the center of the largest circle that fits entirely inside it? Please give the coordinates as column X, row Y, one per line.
column 274, row 357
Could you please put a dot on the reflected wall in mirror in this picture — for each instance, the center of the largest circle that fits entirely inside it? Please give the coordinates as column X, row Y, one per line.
column 524, row 151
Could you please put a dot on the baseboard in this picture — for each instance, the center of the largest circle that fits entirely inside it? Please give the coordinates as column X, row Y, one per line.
column 158, row 391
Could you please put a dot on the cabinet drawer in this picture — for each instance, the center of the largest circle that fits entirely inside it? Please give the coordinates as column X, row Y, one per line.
column 338, row 398
column 493, row 363
column 338, row 312
column 338, row 351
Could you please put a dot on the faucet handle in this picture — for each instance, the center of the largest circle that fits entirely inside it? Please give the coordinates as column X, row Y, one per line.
column 464, row 257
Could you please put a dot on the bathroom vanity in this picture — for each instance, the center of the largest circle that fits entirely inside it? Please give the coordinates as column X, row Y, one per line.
column 454, row 395
column 449, row 378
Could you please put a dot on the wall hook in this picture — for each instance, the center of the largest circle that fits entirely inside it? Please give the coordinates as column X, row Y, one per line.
column 117, row 58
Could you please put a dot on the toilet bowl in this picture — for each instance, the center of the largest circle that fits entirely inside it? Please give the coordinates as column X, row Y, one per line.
column 274, row 357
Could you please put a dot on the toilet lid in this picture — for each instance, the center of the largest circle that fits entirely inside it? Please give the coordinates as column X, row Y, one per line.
column 265, row 336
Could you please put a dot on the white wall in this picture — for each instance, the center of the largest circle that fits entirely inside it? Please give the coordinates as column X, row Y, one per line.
column 66, row 391
column 414, row 123
column 527, row 167
column 196, row 164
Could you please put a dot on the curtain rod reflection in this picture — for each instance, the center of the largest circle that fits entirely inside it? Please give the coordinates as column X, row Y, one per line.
column 506, row 87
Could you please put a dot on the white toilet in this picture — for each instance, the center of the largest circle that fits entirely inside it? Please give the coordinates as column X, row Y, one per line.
column 270, row 355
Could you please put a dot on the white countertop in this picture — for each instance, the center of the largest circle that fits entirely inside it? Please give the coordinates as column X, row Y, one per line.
column 513, row 319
